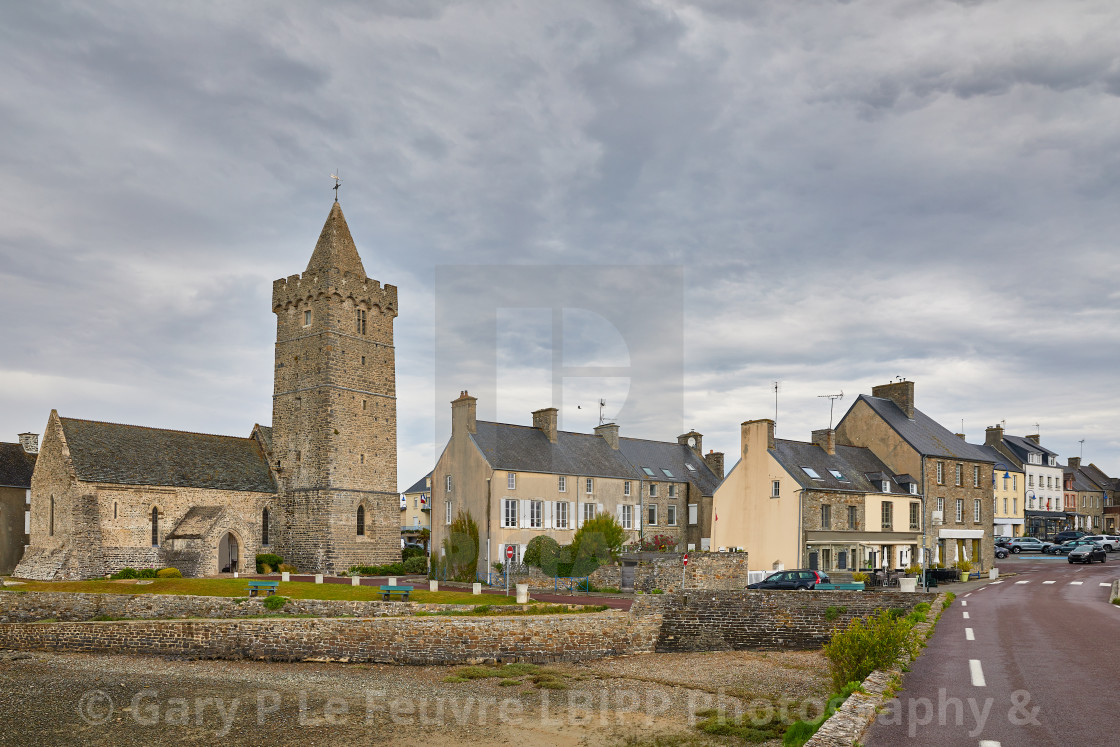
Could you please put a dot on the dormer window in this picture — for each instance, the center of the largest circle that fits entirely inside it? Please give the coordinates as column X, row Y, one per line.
column 811, row 473
column 1053, row 462
column 913, row 488
column 886, row 486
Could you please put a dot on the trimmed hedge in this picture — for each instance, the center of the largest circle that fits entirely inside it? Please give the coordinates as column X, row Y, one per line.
column 272, row 560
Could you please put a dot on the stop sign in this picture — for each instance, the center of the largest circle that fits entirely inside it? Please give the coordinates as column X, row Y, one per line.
column 685, row 559
column 509, row 552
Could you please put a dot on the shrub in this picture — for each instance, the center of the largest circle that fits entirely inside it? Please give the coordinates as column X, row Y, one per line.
column 393, row 569
column 416, row 564
column 864, row 646
column 800, row 732
column 275, row 602
column 146, row 573
column 125, row 573
column 264, row 568
column 460, row 548
column 542, row 552
column 411, row 552
column 860, row 578
column 658, row 543
column 595, row 543
column 963, row 565
column 269, row 559
column 287, row 568
column 168, row 573
column 834, row 612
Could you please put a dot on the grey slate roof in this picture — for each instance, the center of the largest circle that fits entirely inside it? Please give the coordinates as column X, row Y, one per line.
column 1000, row 459
column 859, row 465
column 16, row 466
column 420, row 485
column 522, row 448
column 923, row 433
column 1081, row 481
column 1021, row 446
column 661, row 455
column 134, row 455
column 1097, row 475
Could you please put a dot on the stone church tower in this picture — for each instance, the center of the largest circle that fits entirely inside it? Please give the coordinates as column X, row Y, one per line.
column 334, row 416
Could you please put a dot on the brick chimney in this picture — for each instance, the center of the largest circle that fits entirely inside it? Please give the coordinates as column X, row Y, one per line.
column 961, row 436
column 899, row 392
column 544, row 420
column 609, row 433
column 1075, row 462
column 993, row 436
column 464, row 414
column 29, row 442
column 826, row 439
column 757, row 429
column 697, row 445
column 1036, row 438
column 714, row 460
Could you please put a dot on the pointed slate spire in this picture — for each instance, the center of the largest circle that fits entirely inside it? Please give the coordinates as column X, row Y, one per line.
column 336, row 247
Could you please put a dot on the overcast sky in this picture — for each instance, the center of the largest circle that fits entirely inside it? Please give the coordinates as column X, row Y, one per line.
column 826, row 194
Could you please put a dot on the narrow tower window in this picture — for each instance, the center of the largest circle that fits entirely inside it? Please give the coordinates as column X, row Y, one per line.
column 50, row 528
column 361, row 521
column 155, row 527
column 307, row 318
column 264, row 527
column 360, row 325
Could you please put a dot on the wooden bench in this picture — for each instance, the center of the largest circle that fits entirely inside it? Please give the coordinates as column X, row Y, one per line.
column 255, row 587
column 388, row 591
column 855, row 586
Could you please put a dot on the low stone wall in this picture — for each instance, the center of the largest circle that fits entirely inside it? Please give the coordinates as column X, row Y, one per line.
column 762, row 620
column 664, row 571
column 390, row 640
column 32, row 606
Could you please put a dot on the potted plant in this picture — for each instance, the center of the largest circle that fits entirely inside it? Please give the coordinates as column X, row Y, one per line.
column 965, row 567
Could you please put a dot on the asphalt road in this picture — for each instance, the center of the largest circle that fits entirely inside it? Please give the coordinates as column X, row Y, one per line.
column 1028, row 660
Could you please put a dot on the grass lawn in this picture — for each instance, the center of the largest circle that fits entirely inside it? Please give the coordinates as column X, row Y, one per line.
column 237, row 587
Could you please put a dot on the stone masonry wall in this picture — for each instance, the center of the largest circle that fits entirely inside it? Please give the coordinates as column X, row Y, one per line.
column 716, row 571
column 390, row 640
column 766, row 620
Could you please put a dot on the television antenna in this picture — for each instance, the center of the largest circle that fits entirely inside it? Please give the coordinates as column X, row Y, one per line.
column 1082, row 442
column 337, row 183
column 831, row 402
column 602, row 405
column 777, row 388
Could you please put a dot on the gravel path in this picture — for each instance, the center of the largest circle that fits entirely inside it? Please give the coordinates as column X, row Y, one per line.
column 48, row 699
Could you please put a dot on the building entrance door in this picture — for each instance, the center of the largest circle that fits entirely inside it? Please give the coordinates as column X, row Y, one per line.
column 228, row 554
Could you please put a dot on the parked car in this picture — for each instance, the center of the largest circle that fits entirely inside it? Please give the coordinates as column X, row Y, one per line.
column 1027, row 544
column 800, row 580
column 1066, row 547
column 1087, row 553
column 1002, row 552
column 1002, row 541
column 1108, row 542
column 1066, row 536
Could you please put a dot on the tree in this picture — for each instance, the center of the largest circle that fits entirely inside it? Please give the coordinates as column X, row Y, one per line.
column 543, row 552
column 596, row 543
column 460, row 548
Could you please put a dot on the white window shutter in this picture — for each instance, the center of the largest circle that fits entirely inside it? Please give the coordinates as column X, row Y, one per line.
column 524, row 506
column 618, row 512
column 573, row 517
column 598, row 508
column 578, row 519
column 548, row 514
column 637, row 510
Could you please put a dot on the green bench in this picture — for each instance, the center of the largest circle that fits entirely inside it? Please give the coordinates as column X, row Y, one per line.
column 388, row 591
column 256, row 587
column 855, row 586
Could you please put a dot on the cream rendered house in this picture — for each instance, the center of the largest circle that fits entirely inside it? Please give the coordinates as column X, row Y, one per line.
column 796, row 504
column 1009, row 489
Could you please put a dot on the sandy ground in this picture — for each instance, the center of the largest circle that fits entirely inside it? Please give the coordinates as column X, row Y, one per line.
column 636, row 700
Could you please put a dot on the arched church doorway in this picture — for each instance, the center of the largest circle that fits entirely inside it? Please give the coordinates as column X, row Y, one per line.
column 228, row 554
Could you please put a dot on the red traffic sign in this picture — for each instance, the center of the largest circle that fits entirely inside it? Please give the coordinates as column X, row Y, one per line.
column 509, row 552
column 685, row 559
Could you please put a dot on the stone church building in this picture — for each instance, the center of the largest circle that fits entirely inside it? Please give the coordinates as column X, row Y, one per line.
column 318, row 487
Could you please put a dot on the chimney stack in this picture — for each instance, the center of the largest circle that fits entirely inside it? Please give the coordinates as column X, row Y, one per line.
column 464, row 414
column 757, row 428
column 545, row 421
column 697, row 444
column 899, row 392
column 961, row 436
column 714, row 460
column 1075, row 462
column 993, row 436
column 1036, row 438
column 29, row 442
column 826, row 439
column 609, row 432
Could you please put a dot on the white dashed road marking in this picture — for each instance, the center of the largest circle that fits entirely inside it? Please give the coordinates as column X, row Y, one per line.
column 1105, row 583
column 989, row 743
column 1049, row 582
column 965, row 604
column 1076, row 583
column 995, row 582
column 965, row 615
column 1025, row 582
column 977, row 673
column 969, row 635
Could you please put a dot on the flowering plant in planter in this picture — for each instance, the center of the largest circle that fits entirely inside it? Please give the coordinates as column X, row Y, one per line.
column 659, row 543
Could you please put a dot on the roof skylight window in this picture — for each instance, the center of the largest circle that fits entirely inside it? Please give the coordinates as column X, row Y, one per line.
column 838, row 475
column 691, row 466
column 648, row 471
column 812, row 473
column 667, row 472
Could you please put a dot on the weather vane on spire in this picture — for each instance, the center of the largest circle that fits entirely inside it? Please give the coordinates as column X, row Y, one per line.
column 337, row 184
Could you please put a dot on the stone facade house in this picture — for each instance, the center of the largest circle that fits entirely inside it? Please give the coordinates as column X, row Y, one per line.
column 820, row 505
column 1085, row 499
column 1009, row 491
column 1046, row 510
column 318, row 487
column 17, row 463
column 1111, row 488
column 954, row 477
column 518, row 482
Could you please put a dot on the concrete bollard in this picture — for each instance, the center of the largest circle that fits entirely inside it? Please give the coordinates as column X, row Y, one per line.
column 908, row 584
column 235, row 574
column 392, row 581
column 355, row 580
column 318, row 578
column 1114, row 592
column 477, row 589
column 523, row 593
column 993, row 574
column 433, row 585
column 285, row 576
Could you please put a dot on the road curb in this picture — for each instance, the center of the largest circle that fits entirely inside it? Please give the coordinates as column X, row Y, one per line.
column 1114, row 593
column 852, row 720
